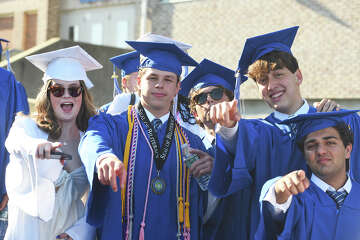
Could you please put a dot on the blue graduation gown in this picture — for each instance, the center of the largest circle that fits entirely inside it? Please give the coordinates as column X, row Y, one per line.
column 13, row 99
column 313, row 215
column 107, row 134
column 263, row 151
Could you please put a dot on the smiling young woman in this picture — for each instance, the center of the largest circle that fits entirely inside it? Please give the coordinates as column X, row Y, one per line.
column 46, row 192
column 46, row 117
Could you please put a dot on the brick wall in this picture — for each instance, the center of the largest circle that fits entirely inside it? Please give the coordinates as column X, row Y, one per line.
column 47, row 22
column 326, row 45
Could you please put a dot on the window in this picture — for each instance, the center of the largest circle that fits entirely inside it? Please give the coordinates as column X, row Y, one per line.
column 74, row 33
column 30, row 30
column 97, row 34
column 122, row 32
column 6, row 23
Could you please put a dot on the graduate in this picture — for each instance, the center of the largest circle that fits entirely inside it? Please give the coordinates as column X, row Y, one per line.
column 250, row 152
column 45, row 193
column 210, row 83
column 327, row 205
column 120, row 102
column 13, row 100
column 128, row 63
column 180, row 109
column 139, row 151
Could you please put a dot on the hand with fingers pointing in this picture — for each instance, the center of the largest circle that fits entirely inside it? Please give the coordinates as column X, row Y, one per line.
column 225, row 113
column 291, row 184
column 109, row 169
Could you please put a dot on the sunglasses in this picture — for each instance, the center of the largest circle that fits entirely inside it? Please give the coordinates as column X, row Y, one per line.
column 59, row 91
column 216, row 94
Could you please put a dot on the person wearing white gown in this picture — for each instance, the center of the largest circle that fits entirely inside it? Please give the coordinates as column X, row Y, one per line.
column 45, row 194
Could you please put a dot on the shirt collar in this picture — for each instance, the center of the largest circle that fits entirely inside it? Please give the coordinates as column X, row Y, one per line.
column 209, row 137
column 302, row 110
column 324, row 186
column 151, row 117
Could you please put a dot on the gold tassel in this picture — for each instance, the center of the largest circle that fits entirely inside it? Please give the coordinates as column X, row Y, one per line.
column 187, row 215
column 181, row 210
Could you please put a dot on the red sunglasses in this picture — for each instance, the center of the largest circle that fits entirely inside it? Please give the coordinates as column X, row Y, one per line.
column 59, row 91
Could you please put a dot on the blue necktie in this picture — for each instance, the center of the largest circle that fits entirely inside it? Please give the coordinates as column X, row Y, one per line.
column 156, row 124
column 339, row 197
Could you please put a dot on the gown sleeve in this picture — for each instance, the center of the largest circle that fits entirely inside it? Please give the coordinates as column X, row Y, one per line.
column 231, row 172
column 30, row 181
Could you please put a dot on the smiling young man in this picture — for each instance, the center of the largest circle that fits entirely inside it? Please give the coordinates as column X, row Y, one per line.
column 326, row 207
column 254, row 151
column 208, row 84
column 278, row 78
column 121, row 101
column 159, row 199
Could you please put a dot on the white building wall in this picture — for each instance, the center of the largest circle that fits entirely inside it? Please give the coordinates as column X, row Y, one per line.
column 107, row 25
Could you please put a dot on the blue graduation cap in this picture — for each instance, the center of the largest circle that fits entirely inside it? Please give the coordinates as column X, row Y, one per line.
column 162, row 56
column 311, row 122
column 258, row 46
column 208, row 73
column 127, row 63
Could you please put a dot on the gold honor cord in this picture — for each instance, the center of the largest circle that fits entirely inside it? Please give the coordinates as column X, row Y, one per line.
column 181, row 199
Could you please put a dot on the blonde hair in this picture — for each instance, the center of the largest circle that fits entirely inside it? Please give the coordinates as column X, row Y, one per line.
column 46, row 119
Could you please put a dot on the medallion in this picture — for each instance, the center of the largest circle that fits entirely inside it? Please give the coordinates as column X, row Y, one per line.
column 158, row 185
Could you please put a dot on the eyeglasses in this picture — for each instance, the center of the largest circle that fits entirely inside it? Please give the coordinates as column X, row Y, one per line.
column 216, row 94
column 58, row 91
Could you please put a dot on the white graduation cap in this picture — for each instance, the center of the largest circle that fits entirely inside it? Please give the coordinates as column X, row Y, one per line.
column 67, row 64
column 151, row 37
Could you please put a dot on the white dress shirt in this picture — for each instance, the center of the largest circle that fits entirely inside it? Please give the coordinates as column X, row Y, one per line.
column 270, row 196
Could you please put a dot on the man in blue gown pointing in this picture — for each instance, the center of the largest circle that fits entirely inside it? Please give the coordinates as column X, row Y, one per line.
column 326, row 207
column 159, row 199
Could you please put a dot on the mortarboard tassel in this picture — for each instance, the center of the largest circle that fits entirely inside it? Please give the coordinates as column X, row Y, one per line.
column 237, row 88
column 7, row 53
column 114, row 76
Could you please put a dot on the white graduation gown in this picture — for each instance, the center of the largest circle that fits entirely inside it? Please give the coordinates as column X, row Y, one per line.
column 36, row 211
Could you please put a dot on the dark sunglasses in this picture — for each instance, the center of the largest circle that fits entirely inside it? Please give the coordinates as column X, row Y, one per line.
column 216, row 94
column 59, row 91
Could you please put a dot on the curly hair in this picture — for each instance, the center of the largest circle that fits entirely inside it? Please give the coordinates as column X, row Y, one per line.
column 45, row 117
column 270, row 62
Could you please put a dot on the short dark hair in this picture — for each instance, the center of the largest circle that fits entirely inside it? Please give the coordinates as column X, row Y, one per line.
column 272, row 61
column 346, row 136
